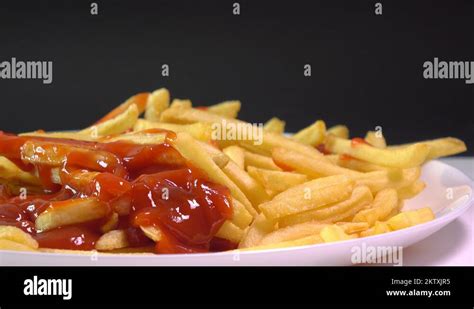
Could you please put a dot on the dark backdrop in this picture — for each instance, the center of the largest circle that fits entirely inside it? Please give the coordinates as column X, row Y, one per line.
column 366, row 69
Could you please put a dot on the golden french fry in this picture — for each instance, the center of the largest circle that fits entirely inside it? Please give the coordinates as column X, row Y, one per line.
column 72, row 211
column 198, row 156
column 141, row 138
column 339, row 131
column 333, row 233
column 410, row 156
column 392, row 178
column 306, row 196
column 6, row 244
column 228, row 109
column 293, row 232
column 119, row 124
column 178, row 103
column 157, row 102
column 231, row 232
column 276, row 181
column 274, row 125
column 378, row 228
column 12, row 173
column 252, row 189
column 60, row 134
column 311, row 166
column 18, row 236
column 411, row 190
column 260, row 161
column 353, row 227
column 356, row 164
column 217, row 156
column 260, row 227
column 199, row 130
column 312, row 135
column 112, row 240
column 375, row 139
column 384, row 202
column 139, row 101
column 305, row 241
column 236, row 154
column 410, row 218
column 152, row 232
column 360, row 197
column 439, row 147
column 241, row 217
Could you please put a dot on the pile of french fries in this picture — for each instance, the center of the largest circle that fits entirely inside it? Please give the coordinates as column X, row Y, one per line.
column 312, row 187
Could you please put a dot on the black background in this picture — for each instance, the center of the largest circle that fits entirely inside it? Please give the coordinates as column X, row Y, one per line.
column 367, row 70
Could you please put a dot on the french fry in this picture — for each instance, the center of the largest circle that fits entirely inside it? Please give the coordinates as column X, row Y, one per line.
column 6, row 244
column 236, row 154
column 378, row 228
column 119, row 124
column 70, row 212
column 230, row 231
column 274, row 125
column 198, row 156
column 357, row 165
column 219, row 158
column 75, row 135
column 228, row 109
column 241, row 217
column 199, row 130
column 252, row 189
column 411, row 190
column 384, row 202
column 152, row 232
column 140, row 138
column 333, row 233
column 313, row 167
column 312, row 135
column 339, row 131
column 410, row 156
column 353, row 227
column 293, row 232
column 392, row 178
column 157, row 102
column 375, row 139
column 260, row 227
column 178, row 103
column 305, row 241
column 260, row 161
column 360, row 197
column 139, row 100
column 410, row 218
column 439, row 147
column 112, row 240
column 12, row 173
column 111, row 223
column 307, row 196
column 16, row 235
column 276, row 181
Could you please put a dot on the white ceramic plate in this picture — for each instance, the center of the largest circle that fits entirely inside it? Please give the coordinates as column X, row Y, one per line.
column 449, row 193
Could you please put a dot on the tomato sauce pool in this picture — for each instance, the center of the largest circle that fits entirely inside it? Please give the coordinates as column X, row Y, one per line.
column 146, row 185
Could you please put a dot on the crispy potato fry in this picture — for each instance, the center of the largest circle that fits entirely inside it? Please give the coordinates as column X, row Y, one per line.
column 360, row 197
column 219, row 158
column 252, row 189
column 179, row 103
column 378, row 228
column 119, row 124
column 440, row 147
column 276, row 181
column 410, row 218
column 228, row 109
column 152, row 232
column 313, row 167
column 333, row 233
column 293, row 232
column 259, row 161
column 199, row 130
column 12, row 173
column 69, row 212
column 339, row 131
column 157, row 102
column 75, row 135
column 241, row 217
column 393, row 178
column 305, row 241
column 384, row 202
column 357, row 165
column 140, row 138
column 112, row 240
column 309, row 195
column 410, row 156
column 198, row 156
column 375, row 139
column 260, row 227
column 16, row 235
column 353, row 227
column 6, row 244
column 111, row 223
column 236, row 154
column 139, row 100
column 312, row 135
column 274, row 125
column 231, row 232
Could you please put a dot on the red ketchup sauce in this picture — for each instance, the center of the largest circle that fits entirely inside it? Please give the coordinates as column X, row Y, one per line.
column 147, row 185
